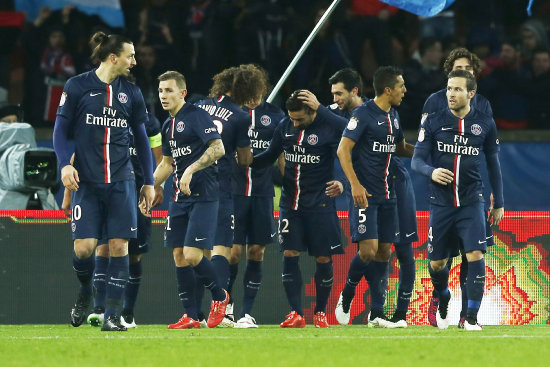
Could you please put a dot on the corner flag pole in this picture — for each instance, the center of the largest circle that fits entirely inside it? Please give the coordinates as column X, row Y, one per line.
column 302, row 50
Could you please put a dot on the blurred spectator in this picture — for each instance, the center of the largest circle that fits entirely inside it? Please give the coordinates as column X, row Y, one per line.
column 536, row 90
column 422, row 76
column 57, row 66
column 10, row 114
column 146, row 73
column 533, row 36
column 502, row 87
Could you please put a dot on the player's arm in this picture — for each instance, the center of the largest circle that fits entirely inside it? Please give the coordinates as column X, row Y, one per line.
column 143, row 149
column 155, row 142
column 214, row 152
column 66, row 204
column 495, row 176
column 244, row 156
column 163, row 171
column 420, row 158
column 244, row 152
column 358, row 192
column 272, row 153
column 404, row 149
column 69, row 175
column 310, row 100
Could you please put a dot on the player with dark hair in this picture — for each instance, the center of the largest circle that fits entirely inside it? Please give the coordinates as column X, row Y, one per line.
column 253, row 204
column 375, row 133
column 246, row 85
column 459, row 59
column 136, row 246
column 190, row 147
column 308, row 218
column 97, row 108
column 454, row 138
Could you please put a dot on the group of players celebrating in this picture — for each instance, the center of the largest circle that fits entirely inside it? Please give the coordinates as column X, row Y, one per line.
column 221, row 152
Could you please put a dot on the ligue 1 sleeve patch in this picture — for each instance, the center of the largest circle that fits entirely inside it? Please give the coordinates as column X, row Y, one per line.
column 421, row 135
column 62, row 99
column 352, row 124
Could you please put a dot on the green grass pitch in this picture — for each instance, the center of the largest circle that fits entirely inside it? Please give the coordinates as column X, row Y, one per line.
column 269, row 345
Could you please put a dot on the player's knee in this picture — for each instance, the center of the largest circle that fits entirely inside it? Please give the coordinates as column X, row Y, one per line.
column 367, row 253
column 102, row 250
column 438, row 265
column 474, row 255
column 384, row 252
column 256, row 253
column 135, row 258
column 84, row 248
column 323, row 259
column 118, row 247
column 291, row 253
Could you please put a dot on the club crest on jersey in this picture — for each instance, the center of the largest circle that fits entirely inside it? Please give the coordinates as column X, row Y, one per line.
column 63, row 99
column 265, row 120
column 396, row 123
column 122, row 97
column 421, row 135
column 280, row 238
column 180, row 126
column 312, row 139
column 476, row 129
column 430, row 248
column 362, row 228
column 73, row 226
column 352, row 124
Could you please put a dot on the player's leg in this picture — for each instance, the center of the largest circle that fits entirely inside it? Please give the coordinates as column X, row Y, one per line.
column 223, row 242
column 407, row 270
column 364, row 230
column 252, row 281
column 234, row 260
column 471, row 229
column 291, row 239
column 117, row 277
column 200, row 235
column 242, row 215
column 86, row 223
column 378, row 271
column 99, row 283
column 463, row 288
column 441, row 221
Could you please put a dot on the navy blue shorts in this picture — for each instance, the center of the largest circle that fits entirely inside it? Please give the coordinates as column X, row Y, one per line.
column 406, row 209
column 140, row 245
column 191, row 224
column 316, row 232
column 253, row 220
column 100, row 210
column 377, row 221
column 488, row 236
column 449, row 223
column 226, row 223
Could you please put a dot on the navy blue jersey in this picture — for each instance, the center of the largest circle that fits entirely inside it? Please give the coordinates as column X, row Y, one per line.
column 455, row 144
column 248, row 181
column 376, row 134
column 185, row 138
column 309, row 162
column 438, row 101
column 152, row 128
column 232, row 123
column 99, row 115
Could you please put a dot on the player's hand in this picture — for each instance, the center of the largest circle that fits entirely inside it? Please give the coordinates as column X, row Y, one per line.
column 66, row 204
column 359, row 194
column 146, row 197
column 496, row 216
column 159, row 196
column 442, row 176
column 334, row 188
column 185, row 182
column 69, row 177
column 309, row 99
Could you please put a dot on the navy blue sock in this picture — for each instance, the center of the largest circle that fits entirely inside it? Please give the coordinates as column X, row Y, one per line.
column 476, row 286
column 132, row 287
column 251, row 284
column 221, row 268
column 186, row 290
column 100, row 280
column 376, row 273
column 324, row 276
column 407, row 272
column 84, row 269
column 199, row 295
column 117, row 276
column 233, row 271
column 440, row 280
column 207, row 274
column 463, row 287
column 355, row 273
column 292, row 282
column 449, row 265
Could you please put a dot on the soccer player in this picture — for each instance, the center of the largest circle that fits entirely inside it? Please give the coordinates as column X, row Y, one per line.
column 136, row 246
column 96, row 108
column 308, row 218
column 233, row 88
column 190, row 147
column 454, row 138
column 346, row 85
column 375, row 133
column 253, row 204
column 459, row 59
